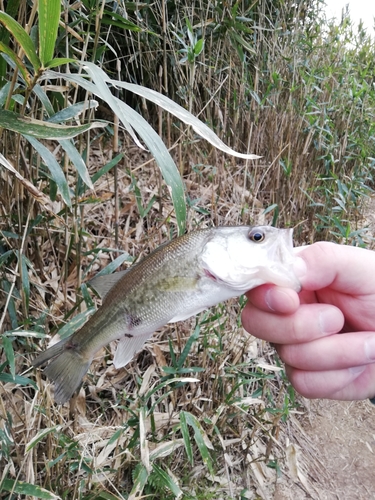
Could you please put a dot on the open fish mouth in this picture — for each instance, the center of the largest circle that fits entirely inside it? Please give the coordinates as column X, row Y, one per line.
column 241, row 261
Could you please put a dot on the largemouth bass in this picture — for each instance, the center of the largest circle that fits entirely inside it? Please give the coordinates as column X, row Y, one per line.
column 178, row 280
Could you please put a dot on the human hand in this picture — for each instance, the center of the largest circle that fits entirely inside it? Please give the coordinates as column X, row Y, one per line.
column 326, row 333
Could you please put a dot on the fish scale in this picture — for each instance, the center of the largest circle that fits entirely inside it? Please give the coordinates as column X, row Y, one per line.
column 178, row 280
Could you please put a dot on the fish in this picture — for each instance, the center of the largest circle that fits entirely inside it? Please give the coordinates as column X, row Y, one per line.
column 178, row 280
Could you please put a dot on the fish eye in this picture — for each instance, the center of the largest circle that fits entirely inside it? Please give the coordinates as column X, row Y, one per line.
column 256, row 235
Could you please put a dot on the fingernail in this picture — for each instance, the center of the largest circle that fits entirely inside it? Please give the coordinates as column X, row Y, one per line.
column 274, row 296
column 330, row 321
column 269, row 299
column 357, row 370
column 299, row 267
column 370, row 348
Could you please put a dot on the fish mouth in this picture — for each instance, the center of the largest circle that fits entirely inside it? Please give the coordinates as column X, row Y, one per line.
column 273, row 264
column 210, row 275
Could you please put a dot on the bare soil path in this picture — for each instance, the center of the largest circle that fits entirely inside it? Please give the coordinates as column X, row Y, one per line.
column 336, row 444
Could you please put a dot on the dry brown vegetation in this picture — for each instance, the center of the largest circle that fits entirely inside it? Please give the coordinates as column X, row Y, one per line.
column 272, row 79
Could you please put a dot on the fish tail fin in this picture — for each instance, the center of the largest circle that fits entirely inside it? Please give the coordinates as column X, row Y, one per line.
column 66, row 369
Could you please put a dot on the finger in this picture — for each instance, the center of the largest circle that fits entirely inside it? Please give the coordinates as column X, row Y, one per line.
column 334, row 352
column 308, row 323
column 347, row 385
column 343, row 268
column 274, row 298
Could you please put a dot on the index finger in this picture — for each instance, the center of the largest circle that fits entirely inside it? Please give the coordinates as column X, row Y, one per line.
column 274, row 298
column 340, row 267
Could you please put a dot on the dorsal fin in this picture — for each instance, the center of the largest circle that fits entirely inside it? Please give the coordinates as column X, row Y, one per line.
column 103, row 284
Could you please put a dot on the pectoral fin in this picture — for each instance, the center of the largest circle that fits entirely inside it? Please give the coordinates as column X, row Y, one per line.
column 128, row 347
column 183, row 316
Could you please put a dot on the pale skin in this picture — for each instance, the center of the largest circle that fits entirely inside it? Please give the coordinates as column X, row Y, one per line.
column 325, row 334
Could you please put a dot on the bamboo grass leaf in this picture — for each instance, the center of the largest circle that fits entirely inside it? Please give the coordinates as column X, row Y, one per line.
column 139, row 482
column 75, row 323
column 186, row 437
column 165, row 162
column 201, row 128
column 9, row 355
column 22, row 488
column 148, row 134
column 193, row 338
column 164, row 102
column 201, row 439
column 110, row 268
column 53, row 166
column 26, row 333
column 18, row 62
column 40, row 93
column 4, row 92
column 73, row 111
column 167, row 481
column 33, row 190
column 40, row 129
column 77, row 161
column 107, row 167
column 7, row 378
column 49, row 17
column 6, row 287
column 59, row 61
column 165, row 449
column 25, row 281
column 114, row 19
column 41, row 435
column 22, row 38
column 100, row 91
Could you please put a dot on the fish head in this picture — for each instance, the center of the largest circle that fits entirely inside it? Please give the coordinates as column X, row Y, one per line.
column 244, row 257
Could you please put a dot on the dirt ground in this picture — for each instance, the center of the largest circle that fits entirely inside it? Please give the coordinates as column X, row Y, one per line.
column 335, row 444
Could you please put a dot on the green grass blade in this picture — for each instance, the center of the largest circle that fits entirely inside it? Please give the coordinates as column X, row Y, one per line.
column 9, row 355
column 193, row 338
column 107, row 167
column 17, row 61
column 77, row 161
column 41, row 435
column 25, row 281
column 72, row 111
column 22, row 38
column 59, row 61
column 75, row 323
column 54, row 168
column 18, row 379
column 22, row 488
column 125, row 257
column 140, row 480
column 49, row 16
column 186, row 437
column 201, row 439
column 40, row 93
column 40, row 129
column 166, row 480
